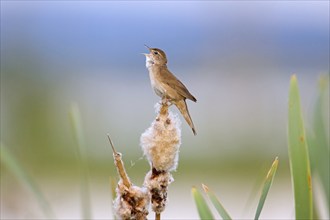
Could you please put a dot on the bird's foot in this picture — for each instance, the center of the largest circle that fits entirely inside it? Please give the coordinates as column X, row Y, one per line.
column 166, row 101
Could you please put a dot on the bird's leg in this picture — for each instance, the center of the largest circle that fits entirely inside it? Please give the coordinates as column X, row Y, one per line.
column 166, row 101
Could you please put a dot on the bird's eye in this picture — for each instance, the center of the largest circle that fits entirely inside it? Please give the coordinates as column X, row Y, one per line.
column 155, row 52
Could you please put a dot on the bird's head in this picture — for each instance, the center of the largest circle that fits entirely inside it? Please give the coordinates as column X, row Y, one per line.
column 156, row 56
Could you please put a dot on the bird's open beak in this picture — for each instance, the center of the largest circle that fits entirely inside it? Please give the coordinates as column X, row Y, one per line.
column 147, row 47
column 146, row 54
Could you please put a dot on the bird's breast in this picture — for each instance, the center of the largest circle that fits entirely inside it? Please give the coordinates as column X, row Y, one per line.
column 156, row 83
column 149, row 61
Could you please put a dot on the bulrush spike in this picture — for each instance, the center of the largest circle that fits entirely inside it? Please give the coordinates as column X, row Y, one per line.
column 112, row 146
column 131, row 201
column 120, row 165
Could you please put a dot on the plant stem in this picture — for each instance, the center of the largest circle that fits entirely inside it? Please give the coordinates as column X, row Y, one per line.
column 120, row 165
column 157, row 216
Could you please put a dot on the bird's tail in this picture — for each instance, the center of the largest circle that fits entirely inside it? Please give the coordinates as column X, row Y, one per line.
column 182, row 106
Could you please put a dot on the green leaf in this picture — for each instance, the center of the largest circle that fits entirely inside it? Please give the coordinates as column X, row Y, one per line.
column 12, row 164
column 298, row 156
column 219, row 207
column 203, row 209
column 77, row 128
column 267, row 185
column 319, row 144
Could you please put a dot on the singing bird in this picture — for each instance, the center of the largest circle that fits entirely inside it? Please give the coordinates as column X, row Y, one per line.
column 166, row 85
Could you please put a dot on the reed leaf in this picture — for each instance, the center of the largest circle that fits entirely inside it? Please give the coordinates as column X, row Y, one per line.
column 298, row 155
column 319, row 142
column 268, row 182
column 215, row 201
column 9, row 160
column 202, row 207
column 77, row 129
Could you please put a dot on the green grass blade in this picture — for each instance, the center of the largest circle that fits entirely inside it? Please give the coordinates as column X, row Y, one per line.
column 267, row 185
column 77, row 127
column 12, row 164
column 319, row 143
column 203, row 209
column 215, row 201
column 298, row 156
column 262, row 172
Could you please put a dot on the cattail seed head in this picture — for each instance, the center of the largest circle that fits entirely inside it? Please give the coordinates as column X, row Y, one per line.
column 162, row 140
column 157, row 184
column 132, row 202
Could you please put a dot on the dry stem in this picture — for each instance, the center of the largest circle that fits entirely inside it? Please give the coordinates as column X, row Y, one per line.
column 157, row 216
column 120, row 165
column 131, row 201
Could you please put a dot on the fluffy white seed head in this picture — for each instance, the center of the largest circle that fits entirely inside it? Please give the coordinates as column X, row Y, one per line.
column 157, row 184
column 161, row 141
column 132, row 202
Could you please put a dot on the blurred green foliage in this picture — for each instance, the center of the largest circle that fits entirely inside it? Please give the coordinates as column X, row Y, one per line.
column 318, row 138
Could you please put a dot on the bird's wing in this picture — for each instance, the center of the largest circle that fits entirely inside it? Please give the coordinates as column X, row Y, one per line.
column 176, row 84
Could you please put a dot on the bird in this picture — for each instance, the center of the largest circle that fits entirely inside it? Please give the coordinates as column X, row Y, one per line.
column 166, row 85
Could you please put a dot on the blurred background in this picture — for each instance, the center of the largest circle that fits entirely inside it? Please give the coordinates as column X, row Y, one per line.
column 236, row 58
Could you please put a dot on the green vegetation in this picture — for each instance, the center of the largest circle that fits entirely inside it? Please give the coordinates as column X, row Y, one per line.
column 77, row 127
column 298, row 155
column 268, row 182
column 202, row 207
column 215, row 201
column 204, row 210
column 318, row 140
column 22, row 175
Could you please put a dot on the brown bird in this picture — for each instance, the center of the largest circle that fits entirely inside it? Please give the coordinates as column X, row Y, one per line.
column 166, row 85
